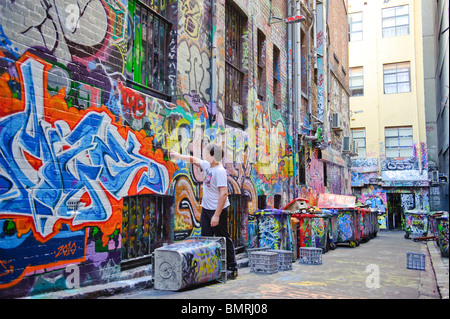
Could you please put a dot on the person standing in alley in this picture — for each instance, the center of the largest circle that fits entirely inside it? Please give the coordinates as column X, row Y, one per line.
column 215, row 203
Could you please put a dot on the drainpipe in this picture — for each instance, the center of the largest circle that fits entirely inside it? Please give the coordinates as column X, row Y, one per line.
column 308, row 64
column 297, row 68
column 328, row 69
column 315, row 33
column 290, row 95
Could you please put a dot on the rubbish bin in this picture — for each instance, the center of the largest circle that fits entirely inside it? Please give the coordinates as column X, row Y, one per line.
column 191, row 262
column 365, row 224
column 433, row 223
column 274, row 229
column 346, row 218
column 442, row 226
column 347, row 227
column 416, row 223
column 252, row 232
column 374, row 225
column 313, row 230
column 332, row 227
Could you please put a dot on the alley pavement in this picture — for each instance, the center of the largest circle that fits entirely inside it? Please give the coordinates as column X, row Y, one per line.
column 373, row 270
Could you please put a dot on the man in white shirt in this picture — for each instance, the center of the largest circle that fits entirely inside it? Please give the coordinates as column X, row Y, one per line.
column 215, row 201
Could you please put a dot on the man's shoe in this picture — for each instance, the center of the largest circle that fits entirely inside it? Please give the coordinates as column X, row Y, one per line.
column 232, row 273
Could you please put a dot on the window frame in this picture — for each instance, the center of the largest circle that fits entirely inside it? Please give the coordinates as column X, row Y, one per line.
column 261, row 64
column 397, row 74
column 276, row 74
column 361, row 146
column 159, row 86
column 396, row 27
column 398, row 137
column 352, row 23
column 234, row 72
column 353, row 77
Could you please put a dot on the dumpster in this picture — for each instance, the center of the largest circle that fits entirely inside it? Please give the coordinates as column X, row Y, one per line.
column 348, row 229
column 332, row 227
column 374, row 225
column 442, row 226
column 365, row 224
column 432, row 222
column 313, row 230
column 274, row 229
column 191, row 262
column 252, row 232
column 416, row 223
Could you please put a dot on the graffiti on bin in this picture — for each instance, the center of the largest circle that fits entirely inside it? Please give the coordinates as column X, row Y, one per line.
column 201, row 261
column 416, row 225
column 269, row 232
column 345, row 231
column 312, row 233
column 443, row 236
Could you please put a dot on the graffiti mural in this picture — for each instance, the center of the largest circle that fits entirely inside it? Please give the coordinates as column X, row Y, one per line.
column 87, row 120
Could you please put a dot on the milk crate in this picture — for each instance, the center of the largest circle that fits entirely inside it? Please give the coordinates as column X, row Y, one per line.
column 252, row 250
column 284, row 259
column 264, row 262
column 310, row 255
column 415, row 261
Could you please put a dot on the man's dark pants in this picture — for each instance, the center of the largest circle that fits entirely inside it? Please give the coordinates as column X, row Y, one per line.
column 221, row 230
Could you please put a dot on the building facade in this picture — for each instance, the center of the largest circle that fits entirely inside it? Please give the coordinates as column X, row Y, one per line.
column 388, row 107
column 94, row 94
column 435, row 38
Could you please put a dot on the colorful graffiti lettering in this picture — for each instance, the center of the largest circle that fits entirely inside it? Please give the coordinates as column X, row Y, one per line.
column 345, row 227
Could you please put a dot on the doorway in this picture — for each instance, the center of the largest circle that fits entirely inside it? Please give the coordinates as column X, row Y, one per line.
column 394, row 211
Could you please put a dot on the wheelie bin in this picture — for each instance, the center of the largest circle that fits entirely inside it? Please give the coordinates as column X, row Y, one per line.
column 442, row 226
column 433, row 223
column 348, row 225
column 332, row 227
column 346, row 219
column 313, row 230
column 416, row 223
column 274, row 229
column 252, row 232
column 374, row 225
column 365, row 224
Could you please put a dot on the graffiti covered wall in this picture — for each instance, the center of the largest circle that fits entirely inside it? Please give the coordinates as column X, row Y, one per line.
column 74, row 142
column 81, row 130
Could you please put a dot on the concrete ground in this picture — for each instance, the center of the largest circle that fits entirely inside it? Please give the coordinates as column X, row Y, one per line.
column 373, row 270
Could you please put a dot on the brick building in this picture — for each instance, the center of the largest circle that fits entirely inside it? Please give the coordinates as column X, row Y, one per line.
column 93, row 95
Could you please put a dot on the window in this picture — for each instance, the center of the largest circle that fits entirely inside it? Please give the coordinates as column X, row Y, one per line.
column 146, row 225
column 261, row 66
column 399, row 141
column 356, row 81
column 235, row 23
column 396, row 77
column 147, row 64
column 302, row 166
column 359, row 135
column 276, row 77
column 395, row 21
column 355, row 21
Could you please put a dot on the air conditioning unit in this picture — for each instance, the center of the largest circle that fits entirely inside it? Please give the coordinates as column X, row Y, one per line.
column 355, row 148
column 434, row 176
column 336, row 121
column 346, row 145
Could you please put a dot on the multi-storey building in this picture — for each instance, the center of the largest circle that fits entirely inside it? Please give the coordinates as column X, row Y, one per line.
column 435, row 51
column 93, row 94
column 388, row 106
